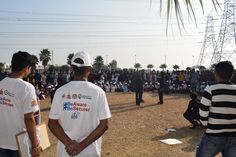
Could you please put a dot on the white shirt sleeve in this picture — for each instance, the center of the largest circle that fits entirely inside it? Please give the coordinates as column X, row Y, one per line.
column 103, row 110
column 55, row 107
column 30, row 102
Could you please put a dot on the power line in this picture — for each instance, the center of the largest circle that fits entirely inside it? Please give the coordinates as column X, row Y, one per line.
column 69, row 21
column 71, row 15
column 76, row 15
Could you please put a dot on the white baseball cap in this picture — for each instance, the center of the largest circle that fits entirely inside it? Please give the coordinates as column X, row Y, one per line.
column 81, row 59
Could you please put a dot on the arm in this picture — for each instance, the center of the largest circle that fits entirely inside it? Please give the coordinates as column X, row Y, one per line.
column 75, row 148
column 31, row 129
column 58, row 131
column 205, row 106
column 97, row 133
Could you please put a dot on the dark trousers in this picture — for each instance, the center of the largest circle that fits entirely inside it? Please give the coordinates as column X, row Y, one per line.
column 160, row 93
column 192, row 117
column 138, row 95
column 8, row 153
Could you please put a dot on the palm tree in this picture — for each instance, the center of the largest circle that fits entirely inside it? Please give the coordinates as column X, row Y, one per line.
column 150, row 66
column 188, row 69
column 69, row 58
column 113, row 64
column 212, row 67
column 64, row 68
column 35, row 59
column 175, row 67
column 163, row 66
column 201, row 68
column 45, row 57
column 1, row 66
column 98, row 63
column 137, row 66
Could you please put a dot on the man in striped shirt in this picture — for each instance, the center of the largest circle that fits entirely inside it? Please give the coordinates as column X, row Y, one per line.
column 218, row 115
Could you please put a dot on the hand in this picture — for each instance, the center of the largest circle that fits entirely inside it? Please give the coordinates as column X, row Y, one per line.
column 36, row 151
column 73, row 148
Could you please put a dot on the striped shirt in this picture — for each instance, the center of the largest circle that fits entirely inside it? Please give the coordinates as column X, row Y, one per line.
column 218, row 109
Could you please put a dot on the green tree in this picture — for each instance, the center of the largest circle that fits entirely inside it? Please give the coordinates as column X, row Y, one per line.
column 201, row 68
column 150, row 66
column 45, row 57
column 69, row 58
column 137, row 66
column 163, row 66
column 188, row 69
column 1, row 66
column 35, row 59
column 175, row 67
column 52, row 68
column 113, row 64
column 64, row 68
column 212, row 67
column 98, row 63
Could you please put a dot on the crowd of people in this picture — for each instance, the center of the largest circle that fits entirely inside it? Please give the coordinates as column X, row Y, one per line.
column 123, row 80
column 79, row 113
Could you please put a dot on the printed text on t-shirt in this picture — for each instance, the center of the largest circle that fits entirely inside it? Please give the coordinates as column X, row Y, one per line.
column 68, row 106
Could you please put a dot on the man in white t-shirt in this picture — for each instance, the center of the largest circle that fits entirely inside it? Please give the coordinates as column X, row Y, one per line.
column 18, row 103
column 83, row 112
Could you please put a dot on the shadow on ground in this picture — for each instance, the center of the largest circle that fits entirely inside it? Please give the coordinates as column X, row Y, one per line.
column 124, row 107
column 181, row 133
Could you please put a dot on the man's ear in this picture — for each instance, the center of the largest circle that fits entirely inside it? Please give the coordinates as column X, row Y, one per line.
column 25, row 69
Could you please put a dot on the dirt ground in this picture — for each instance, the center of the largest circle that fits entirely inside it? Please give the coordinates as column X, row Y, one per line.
column 135, row 131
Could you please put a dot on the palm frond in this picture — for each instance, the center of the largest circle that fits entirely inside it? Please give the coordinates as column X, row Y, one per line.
column 178, row 10
column 190, row 9
column 179, row 15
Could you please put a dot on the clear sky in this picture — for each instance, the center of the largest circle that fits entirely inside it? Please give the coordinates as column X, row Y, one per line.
column 114, row 29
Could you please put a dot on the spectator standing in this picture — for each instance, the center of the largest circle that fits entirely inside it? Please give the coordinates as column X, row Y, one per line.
column 37, row 77
column 161, row 87
column 18, row 104
column 138, row 87
column 83, row 112
column 194, row 77
column 218, row 115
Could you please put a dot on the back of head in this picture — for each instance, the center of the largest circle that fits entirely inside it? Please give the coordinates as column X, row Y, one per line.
column 81, row 59
column 20, row 60
column 224, row 70
column 193, row 95
column 80, row 62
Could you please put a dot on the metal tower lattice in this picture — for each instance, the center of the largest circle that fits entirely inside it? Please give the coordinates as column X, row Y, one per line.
column 208, row 43
column 226, row 44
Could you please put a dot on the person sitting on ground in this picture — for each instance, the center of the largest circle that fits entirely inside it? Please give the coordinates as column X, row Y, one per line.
column 192, row 112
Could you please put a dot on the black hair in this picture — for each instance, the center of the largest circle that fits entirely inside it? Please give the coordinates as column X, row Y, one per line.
column 79, row 71
column 225, row 70
column 193, row 95
column 20, row 60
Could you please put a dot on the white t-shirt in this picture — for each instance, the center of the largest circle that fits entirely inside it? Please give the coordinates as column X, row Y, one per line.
column 17, row 98
column 80, row 105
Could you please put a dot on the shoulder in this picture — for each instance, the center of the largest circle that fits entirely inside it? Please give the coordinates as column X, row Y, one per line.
column 221, row 86
column 21, row 84
column 95, row 87
column 26, row 85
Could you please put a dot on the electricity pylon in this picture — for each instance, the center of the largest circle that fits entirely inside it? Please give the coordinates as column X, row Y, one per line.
column 225, row 48
column 209, row 43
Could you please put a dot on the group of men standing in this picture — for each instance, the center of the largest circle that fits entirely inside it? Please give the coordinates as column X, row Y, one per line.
column 78, row 117
column 79, row 113
column 138, row 84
